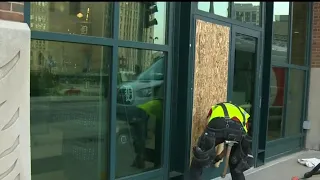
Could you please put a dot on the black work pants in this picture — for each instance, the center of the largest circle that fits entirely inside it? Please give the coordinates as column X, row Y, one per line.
column 140, row 130
column 196, row 169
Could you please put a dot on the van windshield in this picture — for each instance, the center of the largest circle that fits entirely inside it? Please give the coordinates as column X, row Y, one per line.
column 154, row 72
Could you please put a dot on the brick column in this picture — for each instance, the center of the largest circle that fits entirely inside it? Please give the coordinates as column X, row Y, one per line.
column 12, row 11
column 315, row 58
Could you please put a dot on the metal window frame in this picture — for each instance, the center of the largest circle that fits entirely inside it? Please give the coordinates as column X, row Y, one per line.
column 115, row 43
column 264, row 151
column 201, row 15
column 308, row 64
column 274, row 146
column 257, row 86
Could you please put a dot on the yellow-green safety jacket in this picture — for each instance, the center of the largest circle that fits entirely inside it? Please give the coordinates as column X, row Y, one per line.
column 233, row 112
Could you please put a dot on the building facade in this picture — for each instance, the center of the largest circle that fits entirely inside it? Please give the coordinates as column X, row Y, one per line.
column 94, row 63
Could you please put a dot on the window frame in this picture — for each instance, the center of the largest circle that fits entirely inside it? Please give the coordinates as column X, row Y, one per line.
column 274, row 147
column 115, row 43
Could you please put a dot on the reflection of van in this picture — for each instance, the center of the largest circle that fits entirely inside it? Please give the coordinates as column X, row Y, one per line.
column 141, row 90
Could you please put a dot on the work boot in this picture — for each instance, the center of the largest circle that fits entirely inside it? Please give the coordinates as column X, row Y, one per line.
column 139, row 162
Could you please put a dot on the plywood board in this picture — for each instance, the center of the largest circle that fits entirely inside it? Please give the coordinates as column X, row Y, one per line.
column 210, row 72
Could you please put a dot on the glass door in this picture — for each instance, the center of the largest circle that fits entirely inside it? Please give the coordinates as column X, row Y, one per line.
column 244, row 75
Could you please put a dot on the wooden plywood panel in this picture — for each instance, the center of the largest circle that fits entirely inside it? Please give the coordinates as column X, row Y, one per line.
column 210, row 73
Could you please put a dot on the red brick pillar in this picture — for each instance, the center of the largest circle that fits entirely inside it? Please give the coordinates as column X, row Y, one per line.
column 312, row 139
column 315, row 58
column 11, row 11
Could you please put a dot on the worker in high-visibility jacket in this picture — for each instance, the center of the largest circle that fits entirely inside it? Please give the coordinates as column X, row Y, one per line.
column 151, row 110
column 226, row 122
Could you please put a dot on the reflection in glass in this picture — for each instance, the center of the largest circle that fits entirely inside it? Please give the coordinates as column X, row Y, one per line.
column 295, row 102
column 139, row 111
column 217, row 8
column 280, row 31
column 244, row 72
column 81, row 18
column 276, row 102
column 248, row 12
column 143, row 21
column 299, row 32
column 68, row 111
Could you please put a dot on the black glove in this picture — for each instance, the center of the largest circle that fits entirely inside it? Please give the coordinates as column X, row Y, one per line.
column 217, row 159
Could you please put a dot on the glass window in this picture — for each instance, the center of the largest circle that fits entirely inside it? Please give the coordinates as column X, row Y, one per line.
column 150, row 24
column 140, row 111
column 248, row 16
column 239, row 16
column 244, row 71
column 280, row 31
column 68, row 110
column 295, row 102
column 276, row 102
column 217, row 8
column 254, row 16
column 82, row 18
column 248, row 12
column 299, row 32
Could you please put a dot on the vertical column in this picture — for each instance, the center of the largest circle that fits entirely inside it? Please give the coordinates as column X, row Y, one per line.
column 312, row 140
column 15, row 156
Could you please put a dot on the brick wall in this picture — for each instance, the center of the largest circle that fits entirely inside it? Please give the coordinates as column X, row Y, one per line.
column 12, row 11
column 315, row 59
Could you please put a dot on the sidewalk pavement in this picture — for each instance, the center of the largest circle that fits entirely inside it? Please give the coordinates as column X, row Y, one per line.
column 281, row 169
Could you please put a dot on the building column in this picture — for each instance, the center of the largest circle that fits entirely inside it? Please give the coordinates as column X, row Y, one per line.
column 313, row 140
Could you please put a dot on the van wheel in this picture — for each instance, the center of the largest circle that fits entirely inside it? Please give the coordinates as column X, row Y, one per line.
column 123, row 138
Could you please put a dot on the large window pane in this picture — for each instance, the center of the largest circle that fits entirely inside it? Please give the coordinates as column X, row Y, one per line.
column 217, row 8
column 244, row 71
column 295, row 102
column 83, row 18
column 143, row 22
column 280, row 32
column 68, row 110
column 248, row 12
column 139, row 111
column 299, row 32
column 276, row 102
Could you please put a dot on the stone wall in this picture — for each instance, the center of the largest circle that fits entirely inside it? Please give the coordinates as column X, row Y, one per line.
column 15, row 163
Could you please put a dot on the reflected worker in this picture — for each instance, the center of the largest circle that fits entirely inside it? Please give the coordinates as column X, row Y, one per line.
column 226, row 123
column 152, row 110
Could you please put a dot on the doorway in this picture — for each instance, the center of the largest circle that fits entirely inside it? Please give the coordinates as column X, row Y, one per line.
column 245, row 76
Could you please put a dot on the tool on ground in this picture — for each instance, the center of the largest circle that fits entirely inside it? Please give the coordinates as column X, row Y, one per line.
column 229, row 145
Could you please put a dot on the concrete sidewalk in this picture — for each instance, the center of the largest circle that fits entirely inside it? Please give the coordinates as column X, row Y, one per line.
column 282, row 169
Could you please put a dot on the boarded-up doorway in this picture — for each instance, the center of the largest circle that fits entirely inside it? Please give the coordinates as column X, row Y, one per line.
column 210, row 72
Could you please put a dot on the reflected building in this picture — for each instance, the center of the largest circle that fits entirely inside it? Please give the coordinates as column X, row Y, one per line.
column 280, row 30
column 38, row 22
column 79, row 18
column 133, row 27
column 85, row 18
column 248, row 13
